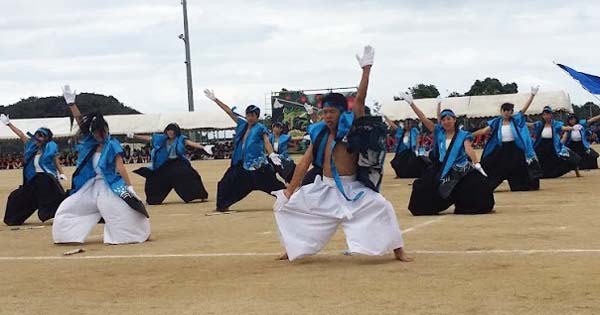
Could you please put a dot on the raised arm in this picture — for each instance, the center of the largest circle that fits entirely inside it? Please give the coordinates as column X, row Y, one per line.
column 211, row 95
column 6, row 121
column 390, row 122
column 365, row 62
column 534, row 91
column 70, row 100
column 426, row 121
column 439, row 109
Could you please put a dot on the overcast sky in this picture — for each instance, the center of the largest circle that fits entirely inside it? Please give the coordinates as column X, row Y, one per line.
column 244, row 49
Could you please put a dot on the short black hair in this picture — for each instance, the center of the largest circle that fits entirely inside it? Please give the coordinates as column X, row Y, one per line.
column 93, row 122
column 507, row 106
column 175, row 127
column 335, row 100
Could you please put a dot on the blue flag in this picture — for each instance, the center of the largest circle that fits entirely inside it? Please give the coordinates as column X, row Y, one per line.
column 588, row 81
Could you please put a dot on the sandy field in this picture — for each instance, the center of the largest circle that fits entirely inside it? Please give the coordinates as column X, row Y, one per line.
column 539, row 253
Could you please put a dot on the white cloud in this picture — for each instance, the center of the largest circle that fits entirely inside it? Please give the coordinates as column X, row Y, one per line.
column 245, row 49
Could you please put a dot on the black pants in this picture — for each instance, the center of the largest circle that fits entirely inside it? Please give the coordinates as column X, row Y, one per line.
column 286, row 170
column 174, row 174
column 311, row 175
column 42, row 193
column 472, row 195
column 554, row 166
column 407, row 164
column 237, row 183
column 589, row 160
column 508, row 163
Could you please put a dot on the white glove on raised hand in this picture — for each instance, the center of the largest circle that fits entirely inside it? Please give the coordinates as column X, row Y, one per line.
column 535, row 89
column 367, row 58
column 309, row 109
column 209, row 149
column 69, row 95
column 439, row 99
column 132, row 192
column 130, row 135
column 210, row 94
column 62, row 177
column 407, row 97
column 4, row 119
column 275, row 158
column 480, row 169
column 577, row 127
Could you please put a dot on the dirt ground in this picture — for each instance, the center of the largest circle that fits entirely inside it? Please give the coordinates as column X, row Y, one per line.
column 538, row 254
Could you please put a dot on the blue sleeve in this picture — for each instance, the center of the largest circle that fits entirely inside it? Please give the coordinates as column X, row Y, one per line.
column 491, row 122
column 115, row 147
column 263, row 130
column 157, row 138
column 241, row 121
column 29, row 145
column 583, row 122
column 519, row 119
column 52, row 148
column 469, row 136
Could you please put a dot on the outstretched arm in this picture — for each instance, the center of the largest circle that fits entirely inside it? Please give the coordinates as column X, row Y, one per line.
column 300, row 171
column 534, row 91
column 564, row 138
column 471, row 152
column 426, row 121
column 6, row 120
column 194, row 145
column 483, row 131
column 365, row 62
column 390, row 122
column 132, row 135
column 593, row 119
column 211, row 95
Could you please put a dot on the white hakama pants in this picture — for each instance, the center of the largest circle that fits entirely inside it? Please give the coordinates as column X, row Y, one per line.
column 79, row 213
column 308, row 220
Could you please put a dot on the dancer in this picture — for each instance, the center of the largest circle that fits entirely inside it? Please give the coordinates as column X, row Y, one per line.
column 280, row 141
column 508, row 153
column 101, row 188
column 456, row 177
column 41, row 189
column 576, row 140
column 249, row 168
column 555, row 158
column 307, row 218
column 170, row 168
column 406, row 162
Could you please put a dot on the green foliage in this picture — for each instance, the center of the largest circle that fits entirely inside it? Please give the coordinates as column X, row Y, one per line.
column 455, row 94
column 491, row 86
column 586, row 111
column 54, row 106
column 424, row 91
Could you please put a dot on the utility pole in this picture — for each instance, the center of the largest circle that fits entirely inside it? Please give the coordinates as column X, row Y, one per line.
column 188, row 62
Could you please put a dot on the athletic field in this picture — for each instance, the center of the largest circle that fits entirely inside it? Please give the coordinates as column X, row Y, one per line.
column 538, row 254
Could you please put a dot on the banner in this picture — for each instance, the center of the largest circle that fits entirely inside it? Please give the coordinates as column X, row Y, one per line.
column 589, row 82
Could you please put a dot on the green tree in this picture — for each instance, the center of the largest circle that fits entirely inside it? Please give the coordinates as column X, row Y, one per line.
column 491, row 86
column 424, row 91
column 586, row 110
column 455, row 94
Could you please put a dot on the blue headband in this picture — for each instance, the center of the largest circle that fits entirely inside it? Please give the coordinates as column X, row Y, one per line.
column 253, row 109
column 447, row 112
column 547, row 109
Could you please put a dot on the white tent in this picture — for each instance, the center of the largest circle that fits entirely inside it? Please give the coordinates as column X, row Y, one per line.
column 480, row 106
column 122, row 124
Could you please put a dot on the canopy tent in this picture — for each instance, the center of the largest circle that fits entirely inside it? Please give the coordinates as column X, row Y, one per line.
column 480, row 106
column 123, row 124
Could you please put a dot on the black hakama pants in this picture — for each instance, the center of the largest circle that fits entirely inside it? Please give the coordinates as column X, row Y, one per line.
column 42, row 193
column 311, row 175
column 554, row 166
column 286, row 170
column 238, row 182
column 407, row 164
column 508, row 162
column 174, row 174
column 589, row 160
column 472, row 195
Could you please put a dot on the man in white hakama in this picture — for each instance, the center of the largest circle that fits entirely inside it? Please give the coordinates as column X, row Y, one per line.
column 308, row 218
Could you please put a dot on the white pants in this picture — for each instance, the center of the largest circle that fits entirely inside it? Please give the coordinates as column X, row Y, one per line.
column 308, row 220
column 79, row 213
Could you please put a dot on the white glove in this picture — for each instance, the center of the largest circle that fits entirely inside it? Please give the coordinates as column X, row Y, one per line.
column 535, row 89
column 132, row 192
column 210, row 94
column 275, row 158
column 407, row 97
column 69, row 95
column 309, row 109
column 281, row 199
column 208, row 149
column 367, row 58
column 130, row 135
column 62, row 177
column 480, row 169
column 439, row 99
column 577, row 127
column 4, row 119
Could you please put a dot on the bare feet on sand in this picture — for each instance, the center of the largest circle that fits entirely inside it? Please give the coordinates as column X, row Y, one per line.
column 401, row 255
column 283, row 257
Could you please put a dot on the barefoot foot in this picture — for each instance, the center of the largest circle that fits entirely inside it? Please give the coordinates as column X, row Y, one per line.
column 401, row 255
column 283, row 257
